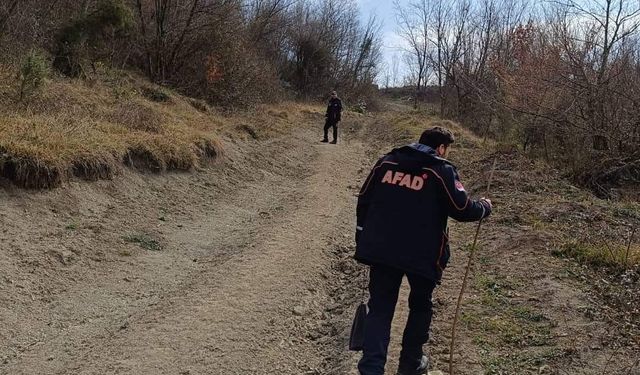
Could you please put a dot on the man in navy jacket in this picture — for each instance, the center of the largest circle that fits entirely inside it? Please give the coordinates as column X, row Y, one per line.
column 402, row 214
column 333, row 116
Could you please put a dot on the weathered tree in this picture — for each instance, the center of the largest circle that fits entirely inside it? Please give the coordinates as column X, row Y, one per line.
column 413, row 20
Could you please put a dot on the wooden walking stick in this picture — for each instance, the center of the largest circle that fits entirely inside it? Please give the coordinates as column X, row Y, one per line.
column 466, row 274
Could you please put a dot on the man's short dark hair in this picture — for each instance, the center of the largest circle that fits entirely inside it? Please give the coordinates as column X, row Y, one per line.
column 436, row 136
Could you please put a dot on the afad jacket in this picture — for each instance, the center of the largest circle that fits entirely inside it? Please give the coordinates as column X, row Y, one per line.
column 403, row 208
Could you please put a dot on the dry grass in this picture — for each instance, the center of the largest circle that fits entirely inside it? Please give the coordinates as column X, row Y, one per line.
column 91, row 129
column 616, row 255
column 273, row 120
column 396, row 128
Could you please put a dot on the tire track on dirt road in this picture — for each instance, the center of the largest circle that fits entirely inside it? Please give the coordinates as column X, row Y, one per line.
column 250, row 300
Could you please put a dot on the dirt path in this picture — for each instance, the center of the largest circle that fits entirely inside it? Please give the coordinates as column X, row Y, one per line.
column 237, row 284
column 246, row 268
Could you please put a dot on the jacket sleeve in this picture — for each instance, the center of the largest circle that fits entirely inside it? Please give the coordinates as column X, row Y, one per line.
column 339, row 117
column 460, row 206
column 364, row 198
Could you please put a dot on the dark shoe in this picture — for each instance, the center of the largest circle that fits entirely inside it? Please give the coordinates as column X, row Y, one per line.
column 324, row 141
column 334, row 142
column 422, row 369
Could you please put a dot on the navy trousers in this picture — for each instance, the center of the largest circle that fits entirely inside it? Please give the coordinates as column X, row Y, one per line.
column 331, row 124
column 384, row 286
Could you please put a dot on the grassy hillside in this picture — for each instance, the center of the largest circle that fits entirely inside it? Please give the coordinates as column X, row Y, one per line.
column 92, row 129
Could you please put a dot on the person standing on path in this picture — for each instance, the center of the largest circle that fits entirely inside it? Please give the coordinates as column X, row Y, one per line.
column 333, row 115
column 402, row 213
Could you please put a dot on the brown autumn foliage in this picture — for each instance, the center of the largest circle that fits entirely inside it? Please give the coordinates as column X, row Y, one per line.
column 261, row 48
column 558, row 78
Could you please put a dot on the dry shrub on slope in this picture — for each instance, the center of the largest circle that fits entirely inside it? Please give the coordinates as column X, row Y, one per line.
column 90, row 129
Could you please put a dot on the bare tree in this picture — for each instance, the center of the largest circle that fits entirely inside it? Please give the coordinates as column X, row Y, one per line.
column 414, row 28
column 222, row 50
column 166, row 29
column 266, row 17
column 367, row 52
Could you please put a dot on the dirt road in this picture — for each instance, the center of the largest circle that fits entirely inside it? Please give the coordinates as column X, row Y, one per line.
column 237, row 283
column 245, row 268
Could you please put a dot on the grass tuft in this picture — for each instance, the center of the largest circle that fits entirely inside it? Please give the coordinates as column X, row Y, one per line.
column 144, row 241
column 603, row 255
column 91, row 130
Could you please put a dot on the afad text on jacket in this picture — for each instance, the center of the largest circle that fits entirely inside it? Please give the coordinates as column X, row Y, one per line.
column 403, row 208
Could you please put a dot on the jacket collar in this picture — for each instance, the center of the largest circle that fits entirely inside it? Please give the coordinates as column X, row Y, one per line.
column 423, row 148
column 427, row 151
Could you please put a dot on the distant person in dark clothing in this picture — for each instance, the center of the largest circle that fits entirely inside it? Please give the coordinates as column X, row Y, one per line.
column 402, row 214
column 334, row 111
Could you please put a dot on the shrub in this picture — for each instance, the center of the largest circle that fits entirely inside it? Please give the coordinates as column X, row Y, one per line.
column 33, row 73
column 238, row 78
column 155, row 95
column 86, row 31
